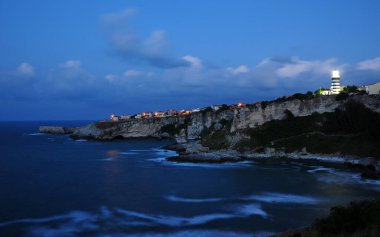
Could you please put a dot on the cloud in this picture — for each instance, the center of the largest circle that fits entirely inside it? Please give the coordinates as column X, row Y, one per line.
column 110, row 77
column 153, row 50
column 25, row 69
column 238, row 70
column 74, row 65
column 193, row 61
column 370, row 64
column 197, row 85
column 296, row 66
column 135, row 73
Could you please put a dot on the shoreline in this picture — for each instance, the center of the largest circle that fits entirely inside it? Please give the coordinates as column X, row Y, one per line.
column 368, row 167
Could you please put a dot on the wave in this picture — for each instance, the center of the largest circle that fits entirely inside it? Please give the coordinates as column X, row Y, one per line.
column 81, row 140
column 282, row 198
column 174, row 221
column 35, row 134
column 197, row 233
column 75, row 216
column 192, row 200
column 128, row 153
column 319, row 169
column 76, row 222
column 263, row 197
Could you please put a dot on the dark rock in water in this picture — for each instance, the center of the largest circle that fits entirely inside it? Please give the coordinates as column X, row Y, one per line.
column 175, row 147
column 56, row 130
column 211, row 157
column 367, row 171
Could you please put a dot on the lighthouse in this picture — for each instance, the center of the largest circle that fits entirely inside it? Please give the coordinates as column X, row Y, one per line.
column 335, row 82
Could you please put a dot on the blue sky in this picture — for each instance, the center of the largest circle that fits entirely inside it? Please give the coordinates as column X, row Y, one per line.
column 82, row 59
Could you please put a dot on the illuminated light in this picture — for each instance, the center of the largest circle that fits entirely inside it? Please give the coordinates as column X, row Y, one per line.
column 335, row 74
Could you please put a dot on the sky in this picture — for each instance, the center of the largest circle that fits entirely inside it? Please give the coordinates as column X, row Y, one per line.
column 87, row 59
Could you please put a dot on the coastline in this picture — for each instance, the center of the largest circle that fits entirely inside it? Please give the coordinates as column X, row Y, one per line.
column 368, row 167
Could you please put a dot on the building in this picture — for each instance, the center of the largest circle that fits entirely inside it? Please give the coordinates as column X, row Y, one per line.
column 325, row 92
column 335, row 82
column 114, row 117
column 185, row 112
column 373, row 89
column 125, row 117
column 159, row 114
column 171, row 112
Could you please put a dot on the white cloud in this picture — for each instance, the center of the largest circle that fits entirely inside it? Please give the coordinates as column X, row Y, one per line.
column 155, row 44
column 135, row 73
column 110, row 77
column 238, row 70
column 297, row 66
column 153, row 50
column 370, row 64
column 72, row 65
column 194, row 61
column 25, row 69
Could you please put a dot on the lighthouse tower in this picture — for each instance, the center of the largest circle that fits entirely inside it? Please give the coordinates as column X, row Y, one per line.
column 335, row 82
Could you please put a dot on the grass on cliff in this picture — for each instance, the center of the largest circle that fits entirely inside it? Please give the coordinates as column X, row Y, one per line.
column 353, row 130
column 216, row 139
column 172, row 129
column 357, row 219
column 106, row 124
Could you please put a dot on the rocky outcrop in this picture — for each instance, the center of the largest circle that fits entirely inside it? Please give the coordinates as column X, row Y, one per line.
column 56, row 130
column 191, row 127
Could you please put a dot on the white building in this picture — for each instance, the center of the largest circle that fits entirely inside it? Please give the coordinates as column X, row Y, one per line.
column 114, row 117
column 335, row 82
column 373, row 89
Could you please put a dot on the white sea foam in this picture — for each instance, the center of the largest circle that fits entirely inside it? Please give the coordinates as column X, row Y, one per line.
column 192, row 200
column 77, row 222
column 242, row 164
column 35, row 134
column 174, row 221
column 195, row 232
column 321, row 169
column 283, row 198
column 128, row 153
column 74, row 215
column 81, row 140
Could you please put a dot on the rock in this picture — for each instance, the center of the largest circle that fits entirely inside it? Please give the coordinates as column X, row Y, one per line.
column 181, row 137
column 56, row 130
column 195, row 147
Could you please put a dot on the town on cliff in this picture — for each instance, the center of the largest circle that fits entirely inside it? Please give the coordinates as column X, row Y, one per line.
column 335, row 89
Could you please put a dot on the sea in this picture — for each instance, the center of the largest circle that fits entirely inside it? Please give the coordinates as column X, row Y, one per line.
column 54, row 186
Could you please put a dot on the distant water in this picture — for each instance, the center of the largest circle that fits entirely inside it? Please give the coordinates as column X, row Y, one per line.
column 53, row 186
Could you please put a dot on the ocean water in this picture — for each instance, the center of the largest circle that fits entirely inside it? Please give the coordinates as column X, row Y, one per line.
column 51, row 185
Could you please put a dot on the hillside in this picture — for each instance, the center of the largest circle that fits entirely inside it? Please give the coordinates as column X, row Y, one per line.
column 306, row 123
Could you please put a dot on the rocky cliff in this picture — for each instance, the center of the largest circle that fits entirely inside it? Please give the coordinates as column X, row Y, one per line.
column 191, row 127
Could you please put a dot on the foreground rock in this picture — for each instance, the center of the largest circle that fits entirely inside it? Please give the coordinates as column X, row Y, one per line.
column 56, row 130
column 357, row 219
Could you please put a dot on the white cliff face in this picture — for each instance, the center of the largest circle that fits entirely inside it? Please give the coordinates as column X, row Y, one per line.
column 251, row 118
column 191, row 127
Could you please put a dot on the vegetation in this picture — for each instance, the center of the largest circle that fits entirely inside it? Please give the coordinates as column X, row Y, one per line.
column 207, row 109
column 216, row 140
column 172, row 129
column 352, row 130
column 297, row 96
column 106, row 124
column 357, row 219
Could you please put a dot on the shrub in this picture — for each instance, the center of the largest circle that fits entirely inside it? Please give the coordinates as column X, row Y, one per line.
column 172, row 129
column 341, row 96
